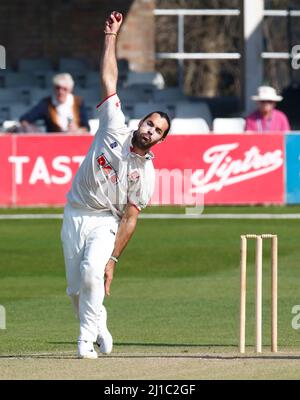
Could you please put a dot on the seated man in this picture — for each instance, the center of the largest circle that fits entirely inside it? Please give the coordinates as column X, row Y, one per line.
column 61, row 112
column 266, row 118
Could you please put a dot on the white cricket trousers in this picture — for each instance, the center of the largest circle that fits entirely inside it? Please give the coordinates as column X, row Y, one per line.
column 88, row 241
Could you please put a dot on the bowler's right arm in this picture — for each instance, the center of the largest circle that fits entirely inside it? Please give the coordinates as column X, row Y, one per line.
column 109, row 66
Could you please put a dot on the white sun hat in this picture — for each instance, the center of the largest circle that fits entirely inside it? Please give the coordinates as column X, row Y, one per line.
column 266, row 93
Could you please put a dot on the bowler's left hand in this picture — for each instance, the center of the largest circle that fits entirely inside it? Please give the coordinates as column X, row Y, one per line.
column 108, row 275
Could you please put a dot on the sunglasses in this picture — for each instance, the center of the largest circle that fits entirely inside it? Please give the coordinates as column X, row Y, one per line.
column 57, row 87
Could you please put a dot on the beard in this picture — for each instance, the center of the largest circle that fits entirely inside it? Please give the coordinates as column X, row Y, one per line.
column 140, row 142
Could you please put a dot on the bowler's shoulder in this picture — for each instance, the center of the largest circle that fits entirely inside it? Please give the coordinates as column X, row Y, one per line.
column 111, row 100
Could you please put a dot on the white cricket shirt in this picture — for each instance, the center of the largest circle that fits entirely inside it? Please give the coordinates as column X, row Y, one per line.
column 111, row 174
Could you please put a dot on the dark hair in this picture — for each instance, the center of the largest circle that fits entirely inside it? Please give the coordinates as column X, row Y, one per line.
column 163, row 115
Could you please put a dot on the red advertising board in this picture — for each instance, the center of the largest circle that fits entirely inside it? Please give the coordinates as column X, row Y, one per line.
column 6, row 171
column 224, row 169
column 39, row 169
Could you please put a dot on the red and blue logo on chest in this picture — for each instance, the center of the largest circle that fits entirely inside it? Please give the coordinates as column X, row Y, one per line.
column 107, row 168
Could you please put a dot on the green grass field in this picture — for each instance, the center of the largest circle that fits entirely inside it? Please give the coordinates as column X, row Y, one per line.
column 175, row 292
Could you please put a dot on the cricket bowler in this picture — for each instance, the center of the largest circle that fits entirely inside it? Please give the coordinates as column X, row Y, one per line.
column 114, row 182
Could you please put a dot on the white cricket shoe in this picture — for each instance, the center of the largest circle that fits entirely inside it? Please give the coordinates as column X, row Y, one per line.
column 86, row 350
column 104, row 338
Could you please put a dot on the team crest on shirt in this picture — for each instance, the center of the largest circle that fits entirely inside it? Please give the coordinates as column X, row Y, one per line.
column 113, row 145
column 106, row 167
column 134, row 176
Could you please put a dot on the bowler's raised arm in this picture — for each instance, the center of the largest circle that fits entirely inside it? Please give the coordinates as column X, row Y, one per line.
column 109, row 67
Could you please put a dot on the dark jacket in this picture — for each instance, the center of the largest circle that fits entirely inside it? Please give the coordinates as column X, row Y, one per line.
column 46, row 111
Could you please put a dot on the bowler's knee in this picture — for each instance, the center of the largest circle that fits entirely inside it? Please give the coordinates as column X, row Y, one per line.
column 89, row 280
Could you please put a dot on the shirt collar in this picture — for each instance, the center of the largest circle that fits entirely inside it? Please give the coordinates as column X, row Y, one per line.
column 147, row 156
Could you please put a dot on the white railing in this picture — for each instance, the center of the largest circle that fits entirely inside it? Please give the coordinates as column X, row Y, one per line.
column 276, row 55
column 281, row 13
column 196, row 12
column 199, row 56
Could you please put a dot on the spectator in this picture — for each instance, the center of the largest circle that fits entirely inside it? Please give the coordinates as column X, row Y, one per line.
column 266, row 118
column 61, row 112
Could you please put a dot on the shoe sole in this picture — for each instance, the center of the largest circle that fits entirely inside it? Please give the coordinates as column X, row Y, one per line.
column 88, row 357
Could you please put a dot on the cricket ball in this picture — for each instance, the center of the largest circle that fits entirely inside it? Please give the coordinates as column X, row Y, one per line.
column 117, row 15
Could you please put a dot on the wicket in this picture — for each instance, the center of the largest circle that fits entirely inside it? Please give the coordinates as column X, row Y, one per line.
column 258, row 294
